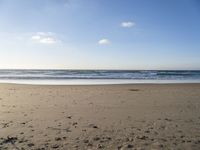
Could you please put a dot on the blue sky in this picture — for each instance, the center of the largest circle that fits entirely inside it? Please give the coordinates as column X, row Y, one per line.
column 100, row 34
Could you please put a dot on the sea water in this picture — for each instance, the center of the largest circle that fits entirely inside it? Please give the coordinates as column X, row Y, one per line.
column 81, row 77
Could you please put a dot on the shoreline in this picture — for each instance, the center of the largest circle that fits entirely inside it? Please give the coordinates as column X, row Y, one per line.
column 99, row 85
column 97, row 82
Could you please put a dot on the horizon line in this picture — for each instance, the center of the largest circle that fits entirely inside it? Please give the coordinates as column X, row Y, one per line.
column 102, row 69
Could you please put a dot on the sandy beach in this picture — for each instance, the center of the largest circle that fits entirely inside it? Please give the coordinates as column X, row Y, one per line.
column 143, row 116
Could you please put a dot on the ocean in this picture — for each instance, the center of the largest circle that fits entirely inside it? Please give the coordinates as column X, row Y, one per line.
column 69, row 77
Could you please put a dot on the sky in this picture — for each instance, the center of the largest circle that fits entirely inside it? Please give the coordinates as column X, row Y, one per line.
column 100, row 34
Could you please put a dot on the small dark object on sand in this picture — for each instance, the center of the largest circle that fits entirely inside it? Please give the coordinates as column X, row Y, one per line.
column 58, row 139
column 134, row 90
column 69, row 117
column 95, row 127
column 129, row 146
column 31, row 144
column 10, row 140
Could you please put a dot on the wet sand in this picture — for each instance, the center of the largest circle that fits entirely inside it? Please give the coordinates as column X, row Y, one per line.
column 143, row 116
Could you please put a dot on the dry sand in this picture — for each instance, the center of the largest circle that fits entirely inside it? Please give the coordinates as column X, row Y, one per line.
column 100, row 117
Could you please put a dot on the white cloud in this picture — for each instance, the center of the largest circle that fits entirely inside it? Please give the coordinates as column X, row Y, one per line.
column 128, row 24
column 104, row 42
column 44, row 38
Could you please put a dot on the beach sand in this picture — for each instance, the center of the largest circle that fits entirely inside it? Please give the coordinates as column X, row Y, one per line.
column 143, row 116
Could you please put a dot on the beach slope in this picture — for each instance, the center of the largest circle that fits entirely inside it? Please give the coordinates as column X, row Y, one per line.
column 140, row 116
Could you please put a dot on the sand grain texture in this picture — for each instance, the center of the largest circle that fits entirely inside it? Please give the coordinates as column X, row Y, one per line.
column 100, row 117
